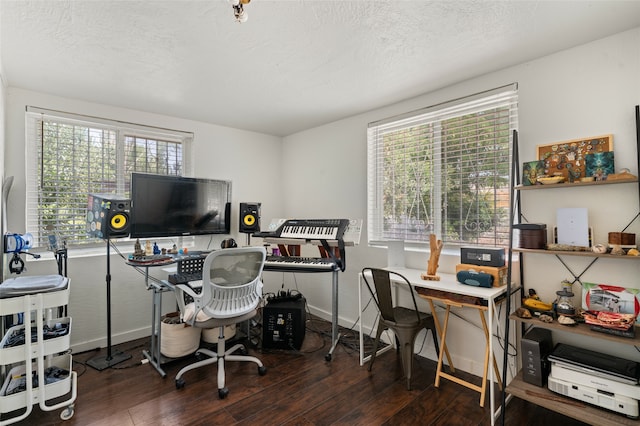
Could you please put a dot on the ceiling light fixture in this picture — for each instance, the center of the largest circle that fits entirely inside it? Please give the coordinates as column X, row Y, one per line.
column 238, row 10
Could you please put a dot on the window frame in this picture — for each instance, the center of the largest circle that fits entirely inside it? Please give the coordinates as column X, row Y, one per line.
column 122, row 131
column 505, row 96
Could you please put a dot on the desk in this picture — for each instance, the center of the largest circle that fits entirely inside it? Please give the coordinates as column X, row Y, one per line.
column 453, row 294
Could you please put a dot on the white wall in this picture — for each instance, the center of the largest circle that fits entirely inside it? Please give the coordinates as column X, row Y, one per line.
column 585, row 91
column 321, row 172
column 250, row 160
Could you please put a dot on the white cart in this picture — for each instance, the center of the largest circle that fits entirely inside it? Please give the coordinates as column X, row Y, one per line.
column 44, row 364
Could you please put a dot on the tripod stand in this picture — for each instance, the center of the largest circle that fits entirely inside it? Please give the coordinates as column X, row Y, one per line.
column 102, row 362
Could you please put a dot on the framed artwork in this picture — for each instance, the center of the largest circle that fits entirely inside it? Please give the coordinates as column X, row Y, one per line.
column 599, row 165
column 531, row 170
column 611, row 298
column 568, row 158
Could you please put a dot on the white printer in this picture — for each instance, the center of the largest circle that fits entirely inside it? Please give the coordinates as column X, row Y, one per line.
column 603, row 380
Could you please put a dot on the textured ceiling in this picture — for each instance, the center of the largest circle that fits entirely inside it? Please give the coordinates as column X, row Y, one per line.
column 294, row 64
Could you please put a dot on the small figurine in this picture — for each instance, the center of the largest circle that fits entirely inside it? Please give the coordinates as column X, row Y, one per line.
column 147, row 248
column 137, row 249
column 156, row 249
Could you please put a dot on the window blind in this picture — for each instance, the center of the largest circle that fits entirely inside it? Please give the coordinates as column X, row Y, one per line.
column 69, row 157
column 443, row 170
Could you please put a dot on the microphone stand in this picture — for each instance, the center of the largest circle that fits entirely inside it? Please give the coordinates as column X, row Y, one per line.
column 102, row 362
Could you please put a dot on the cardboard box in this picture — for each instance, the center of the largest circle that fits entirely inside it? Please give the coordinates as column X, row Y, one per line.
column 499, row 273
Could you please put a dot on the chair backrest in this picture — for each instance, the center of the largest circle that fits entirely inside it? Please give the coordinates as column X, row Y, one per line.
column 382, row 294
column 231, row 282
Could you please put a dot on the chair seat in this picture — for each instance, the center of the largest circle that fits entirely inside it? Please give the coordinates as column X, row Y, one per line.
column 223, row 322
column 407, row 317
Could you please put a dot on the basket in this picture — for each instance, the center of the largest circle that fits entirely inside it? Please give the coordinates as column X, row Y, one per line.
column 178, row 339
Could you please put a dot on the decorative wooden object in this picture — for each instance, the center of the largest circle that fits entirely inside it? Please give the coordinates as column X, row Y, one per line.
column 432, row 266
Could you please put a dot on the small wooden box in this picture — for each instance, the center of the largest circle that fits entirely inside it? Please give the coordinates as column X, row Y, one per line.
column 622, row 238
column 499, row 272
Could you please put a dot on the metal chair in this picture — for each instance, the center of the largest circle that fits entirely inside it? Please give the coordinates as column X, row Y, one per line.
column 405, row 323
column 231, row 293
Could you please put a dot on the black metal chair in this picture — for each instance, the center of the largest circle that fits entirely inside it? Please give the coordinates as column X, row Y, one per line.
column 405, row 323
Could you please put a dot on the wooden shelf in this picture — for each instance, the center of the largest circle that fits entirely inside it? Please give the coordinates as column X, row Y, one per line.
column 572, row 185
column 582, row 329
column 575, row 253
column 569, row 407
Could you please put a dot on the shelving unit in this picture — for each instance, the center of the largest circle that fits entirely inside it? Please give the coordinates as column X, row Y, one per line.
column 34, row 357
column 539, row 395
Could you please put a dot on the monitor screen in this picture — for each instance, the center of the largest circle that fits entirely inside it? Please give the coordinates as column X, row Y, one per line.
column 165, row 206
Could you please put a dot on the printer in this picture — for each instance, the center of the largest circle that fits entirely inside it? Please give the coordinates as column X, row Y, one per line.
column 602, row 380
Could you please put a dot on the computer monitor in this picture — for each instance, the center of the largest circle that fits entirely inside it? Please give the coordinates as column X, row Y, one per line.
column 164, row 206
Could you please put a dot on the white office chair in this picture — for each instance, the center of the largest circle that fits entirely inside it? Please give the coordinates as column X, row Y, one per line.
column 231, row 292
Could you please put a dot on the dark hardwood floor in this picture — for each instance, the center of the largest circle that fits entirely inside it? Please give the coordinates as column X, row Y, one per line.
column 300, row 388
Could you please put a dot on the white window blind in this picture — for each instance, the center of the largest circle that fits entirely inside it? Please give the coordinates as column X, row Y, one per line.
column 443, row 170
column 70, row 156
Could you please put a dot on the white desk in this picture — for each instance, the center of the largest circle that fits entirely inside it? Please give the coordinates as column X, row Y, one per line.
column 453, row 294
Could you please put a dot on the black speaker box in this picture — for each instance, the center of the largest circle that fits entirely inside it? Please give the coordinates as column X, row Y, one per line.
column 249, row 218
column 482, row 256
column 536, row 346
column 283, row 323
column 108, row 216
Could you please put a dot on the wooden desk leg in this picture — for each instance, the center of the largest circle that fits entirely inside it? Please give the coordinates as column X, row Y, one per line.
column 443, row 347
column 485, row 370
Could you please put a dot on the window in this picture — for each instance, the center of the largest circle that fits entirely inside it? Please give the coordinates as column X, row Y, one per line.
column 443, row 170
column 72, row 156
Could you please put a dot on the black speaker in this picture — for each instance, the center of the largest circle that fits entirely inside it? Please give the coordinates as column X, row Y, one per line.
column 536, row 345
column 249, row 217
column 108, row 216
column 283, row 323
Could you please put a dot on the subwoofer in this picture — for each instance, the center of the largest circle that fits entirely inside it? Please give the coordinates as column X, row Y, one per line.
column 249, row 218
column 108, row 216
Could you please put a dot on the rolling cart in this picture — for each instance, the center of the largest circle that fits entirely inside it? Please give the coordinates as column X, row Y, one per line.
column 35, row 363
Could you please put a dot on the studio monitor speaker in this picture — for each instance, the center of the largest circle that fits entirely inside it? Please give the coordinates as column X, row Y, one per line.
column 249, row 217
column 108, row 216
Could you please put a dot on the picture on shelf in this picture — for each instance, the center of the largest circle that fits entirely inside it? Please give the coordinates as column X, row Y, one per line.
column 531, row 171
column 568, row 158
column 610, row 298
column 599, row 165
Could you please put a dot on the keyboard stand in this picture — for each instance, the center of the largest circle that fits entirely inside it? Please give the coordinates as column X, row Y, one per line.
column 335, row 336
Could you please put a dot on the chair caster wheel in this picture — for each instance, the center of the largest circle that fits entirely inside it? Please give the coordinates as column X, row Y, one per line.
column 262, row 370
column 243, row 351
column 327, row 357
column 222, row 393
column 200, row 357
column 179, row 383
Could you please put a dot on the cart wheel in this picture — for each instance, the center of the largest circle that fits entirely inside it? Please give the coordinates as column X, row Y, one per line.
column 67, row 413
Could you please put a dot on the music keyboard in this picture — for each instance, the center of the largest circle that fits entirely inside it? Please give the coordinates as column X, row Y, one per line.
column 309, row 229
column 300, row 264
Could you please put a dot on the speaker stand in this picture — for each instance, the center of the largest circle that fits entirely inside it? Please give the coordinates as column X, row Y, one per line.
column 103, row 362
